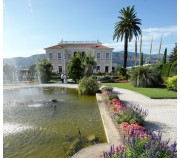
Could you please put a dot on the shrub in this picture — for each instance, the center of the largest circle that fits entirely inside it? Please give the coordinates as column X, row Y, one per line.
column 112, row 96
column 152, row 146
column 122, row 73
column 107, row 89
column 173, row 70
column 166, row 69
column 106, row 79
column 145, row 77
column 172, row 83
column 132, row 114
column 88, row 86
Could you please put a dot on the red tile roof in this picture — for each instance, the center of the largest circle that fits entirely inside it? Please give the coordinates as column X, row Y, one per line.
column 60, row 46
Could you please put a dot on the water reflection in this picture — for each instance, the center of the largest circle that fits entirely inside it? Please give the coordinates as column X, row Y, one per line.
column 33, row 128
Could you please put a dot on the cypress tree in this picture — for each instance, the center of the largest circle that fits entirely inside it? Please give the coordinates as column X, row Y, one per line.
column 164, row 57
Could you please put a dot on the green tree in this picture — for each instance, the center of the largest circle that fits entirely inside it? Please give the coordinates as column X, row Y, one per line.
column 89, row 64
column 126, row 27
column 173, row 55
column 44, row 70
column 75, row 68
column 164, row 57
column 32, row 71
column 141, row 59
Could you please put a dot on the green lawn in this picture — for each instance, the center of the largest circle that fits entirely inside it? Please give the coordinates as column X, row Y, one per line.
column 155, row 93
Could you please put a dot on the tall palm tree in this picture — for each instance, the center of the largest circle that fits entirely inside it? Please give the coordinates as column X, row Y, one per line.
column 126, row 27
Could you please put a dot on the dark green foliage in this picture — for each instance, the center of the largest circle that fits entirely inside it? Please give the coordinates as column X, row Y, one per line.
column 126, row 28
column 145, row 77
column 44, row 70
column 88, row 86
column 75, row 68
column 107, row 89
column 173, row 55
column 89, row 64
column 157, row 67
column 122, row 72
column 141, row 59
column 81, row 65
column 106, row 79
column 112, row 96
column 164, row 57
column 173, row 70
column 172, row 83
column 166, row 69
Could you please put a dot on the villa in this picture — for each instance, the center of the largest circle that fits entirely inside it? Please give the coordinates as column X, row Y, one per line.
column 59, row 55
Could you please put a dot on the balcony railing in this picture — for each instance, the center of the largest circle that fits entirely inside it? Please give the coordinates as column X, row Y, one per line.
column 80, row 42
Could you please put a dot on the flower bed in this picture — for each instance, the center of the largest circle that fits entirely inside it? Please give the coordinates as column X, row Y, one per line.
column 142, row 142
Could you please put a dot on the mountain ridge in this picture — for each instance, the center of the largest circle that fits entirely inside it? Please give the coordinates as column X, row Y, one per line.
column 118, row 59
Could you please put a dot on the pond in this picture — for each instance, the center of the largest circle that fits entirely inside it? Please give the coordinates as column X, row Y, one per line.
column 35, row 127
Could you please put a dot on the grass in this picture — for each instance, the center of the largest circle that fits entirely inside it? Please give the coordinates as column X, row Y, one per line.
column 154, row 93
column 54, row 81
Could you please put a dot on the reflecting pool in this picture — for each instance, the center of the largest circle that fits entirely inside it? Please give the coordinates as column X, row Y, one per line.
column 36, row 127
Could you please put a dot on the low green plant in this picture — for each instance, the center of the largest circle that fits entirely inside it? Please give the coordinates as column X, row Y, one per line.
column 107, row 89
column 88, row 86
column 129, row 116
column 112, row 96
column 172, row 83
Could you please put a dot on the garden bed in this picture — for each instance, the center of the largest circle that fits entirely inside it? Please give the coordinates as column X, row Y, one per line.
column 139, row 141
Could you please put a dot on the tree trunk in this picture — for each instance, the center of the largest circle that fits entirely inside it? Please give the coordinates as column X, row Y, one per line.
column 135, row 57
column 125, row 50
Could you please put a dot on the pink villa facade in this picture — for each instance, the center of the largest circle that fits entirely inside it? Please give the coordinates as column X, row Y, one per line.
column 59, row 55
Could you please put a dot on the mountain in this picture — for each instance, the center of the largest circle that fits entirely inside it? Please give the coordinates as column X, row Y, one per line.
column 23, row 62
column 118, row 59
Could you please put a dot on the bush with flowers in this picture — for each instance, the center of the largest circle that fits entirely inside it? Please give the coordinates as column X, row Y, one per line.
column 117, row 105
column 138, row 147
column 142, row 143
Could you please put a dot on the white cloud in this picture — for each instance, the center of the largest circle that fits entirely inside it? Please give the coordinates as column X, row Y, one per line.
column 161, row 29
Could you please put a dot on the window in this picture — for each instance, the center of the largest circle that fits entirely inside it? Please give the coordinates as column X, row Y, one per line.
column 69, row 56
column 107, row 56
column 52, row 68
column 75, row 54
column 106, row 69
column 98, row 56
column 59, row 56
column 51, row 56
column 98, row 68
column 83, row 54
column 60, row 69
column 113, row 69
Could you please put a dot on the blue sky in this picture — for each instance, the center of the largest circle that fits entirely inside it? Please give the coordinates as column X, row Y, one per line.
column 29, row 26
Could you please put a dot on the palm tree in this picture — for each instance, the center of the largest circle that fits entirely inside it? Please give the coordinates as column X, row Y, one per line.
column 126, row 27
